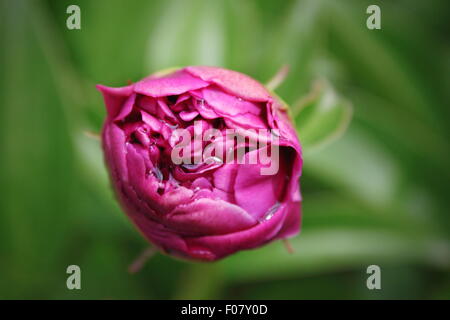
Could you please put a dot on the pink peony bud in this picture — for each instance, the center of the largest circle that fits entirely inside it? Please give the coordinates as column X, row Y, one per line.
column 204, row 161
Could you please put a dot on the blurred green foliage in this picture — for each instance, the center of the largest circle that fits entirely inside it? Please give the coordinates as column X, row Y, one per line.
column 378, row 195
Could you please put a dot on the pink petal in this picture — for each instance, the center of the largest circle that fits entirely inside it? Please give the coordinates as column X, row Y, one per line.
column 207, row 216
column 126, row 108
column 145, row 187
column 172, row 84
column 250, row 182
column 115, row 98
column 291, row 225
column 223, row 103
column 188, row 115
column 148, row 104
column 157, row 234
column 155, row 124
column 218, row 246
column 201, row 183
column 166, row 109
column 233, row 82
column 113, row 140
column 246, row 121
column 202, row 107
column 225, row 176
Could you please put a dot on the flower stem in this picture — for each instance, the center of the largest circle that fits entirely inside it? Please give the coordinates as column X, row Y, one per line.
column 278, row 78
column 91, row 134
column 140, row 261
column 288, row 246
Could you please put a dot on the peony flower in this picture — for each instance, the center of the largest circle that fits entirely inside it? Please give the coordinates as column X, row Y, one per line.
column 182, row 171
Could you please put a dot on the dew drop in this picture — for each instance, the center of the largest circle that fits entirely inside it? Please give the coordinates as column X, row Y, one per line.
column 190, row 166
column 275, row 132
column 270, row 213
column 212, row 160
column 158, row 174
column 171, row 126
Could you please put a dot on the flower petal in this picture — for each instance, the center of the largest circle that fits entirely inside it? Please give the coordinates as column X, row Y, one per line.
column 207, row 216
column 250, row 182
column 115, row 98
column 291, row 224
column 188, row 115
column 223, row 103
column 173, row 84
column 214, row 247
column 233, row 82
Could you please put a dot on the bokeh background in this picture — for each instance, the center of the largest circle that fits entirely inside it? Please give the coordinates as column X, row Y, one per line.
column 377, row 195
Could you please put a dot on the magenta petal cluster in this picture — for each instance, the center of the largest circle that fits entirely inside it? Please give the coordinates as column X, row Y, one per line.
column 204, row 211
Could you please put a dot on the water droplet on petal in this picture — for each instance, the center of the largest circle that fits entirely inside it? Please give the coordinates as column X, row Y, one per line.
column 191, row 166
column 213, row 160
column 171, row 126
column 270, row 213
column 275, row 133
column 158, row 174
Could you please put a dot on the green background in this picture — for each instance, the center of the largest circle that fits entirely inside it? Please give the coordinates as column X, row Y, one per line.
column 378, row 195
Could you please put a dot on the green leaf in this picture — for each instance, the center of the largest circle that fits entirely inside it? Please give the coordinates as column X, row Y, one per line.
column 324, row 250
column 322, row 116
column 197, row 37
